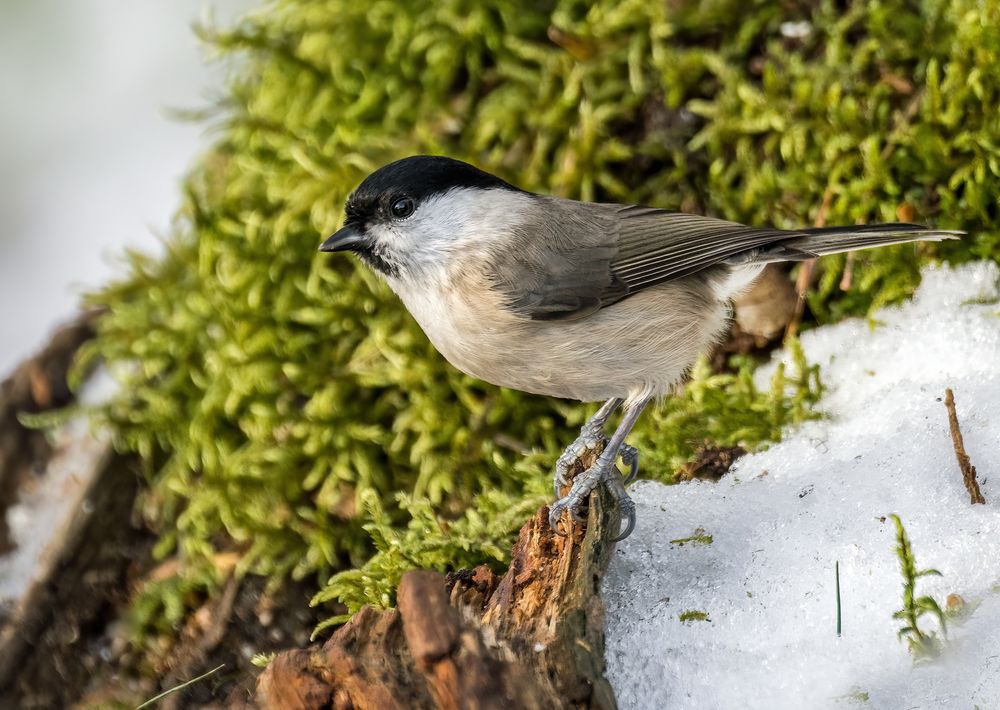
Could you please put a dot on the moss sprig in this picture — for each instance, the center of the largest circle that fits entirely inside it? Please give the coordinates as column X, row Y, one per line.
column 923, row 644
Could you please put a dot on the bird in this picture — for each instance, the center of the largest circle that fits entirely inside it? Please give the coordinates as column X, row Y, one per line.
column 596, row 302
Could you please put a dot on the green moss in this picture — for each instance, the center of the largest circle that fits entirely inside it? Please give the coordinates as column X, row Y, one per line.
column 856, row 695
column 697, row 537
column 686, row 617
column 282, row 399
column 923, row 644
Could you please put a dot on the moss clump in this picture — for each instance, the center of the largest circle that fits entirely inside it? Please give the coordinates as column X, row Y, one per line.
column 276, row 395
column 698, row 537
column 686, row 617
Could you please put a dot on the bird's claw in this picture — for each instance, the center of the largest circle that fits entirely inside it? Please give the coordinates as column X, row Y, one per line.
column 570, row 503
column 630, row 457
column 627, row 509
column 602, row 471
column 588, row 440
column 577, row 497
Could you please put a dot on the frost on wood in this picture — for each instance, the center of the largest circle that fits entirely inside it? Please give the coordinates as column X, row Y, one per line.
column 780, row 520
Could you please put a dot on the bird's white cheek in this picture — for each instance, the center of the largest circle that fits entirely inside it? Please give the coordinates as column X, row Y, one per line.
column 384, row 235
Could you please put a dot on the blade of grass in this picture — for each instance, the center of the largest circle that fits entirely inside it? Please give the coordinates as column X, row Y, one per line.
column 836, row 572
column 168, row 691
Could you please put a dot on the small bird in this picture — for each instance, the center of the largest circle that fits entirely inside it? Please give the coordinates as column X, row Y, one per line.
column 578, row 300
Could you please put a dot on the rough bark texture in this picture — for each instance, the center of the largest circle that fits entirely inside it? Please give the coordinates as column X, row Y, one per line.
column 533, row 638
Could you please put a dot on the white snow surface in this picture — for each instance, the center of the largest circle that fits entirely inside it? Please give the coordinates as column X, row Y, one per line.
column 781, row 519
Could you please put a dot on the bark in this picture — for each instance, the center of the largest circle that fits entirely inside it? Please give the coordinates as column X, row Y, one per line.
column 38, row 384
column 533, row 638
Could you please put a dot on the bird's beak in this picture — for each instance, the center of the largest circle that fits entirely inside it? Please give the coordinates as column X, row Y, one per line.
column 345, row 238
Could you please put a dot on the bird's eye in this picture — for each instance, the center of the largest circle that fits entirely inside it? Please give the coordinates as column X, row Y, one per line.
column 402, row 208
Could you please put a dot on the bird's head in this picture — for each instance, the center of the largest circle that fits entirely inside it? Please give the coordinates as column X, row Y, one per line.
column 413, row 214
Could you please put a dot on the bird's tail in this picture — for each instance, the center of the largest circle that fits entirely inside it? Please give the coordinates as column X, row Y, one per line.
column 809, row 243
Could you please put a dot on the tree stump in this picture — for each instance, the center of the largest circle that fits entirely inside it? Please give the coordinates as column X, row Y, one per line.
column 533, row 638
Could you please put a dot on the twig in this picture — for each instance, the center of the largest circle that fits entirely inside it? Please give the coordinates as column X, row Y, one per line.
column 807, row 269
column 968, row 470
column 168, row 691
column 848, row 278
column 900, row 120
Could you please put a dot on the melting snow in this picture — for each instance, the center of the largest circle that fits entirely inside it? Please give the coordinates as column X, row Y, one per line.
column 781, row 519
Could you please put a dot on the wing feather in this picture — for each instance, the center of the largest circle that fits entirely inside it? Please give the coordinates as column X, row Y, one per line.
column 657, row 245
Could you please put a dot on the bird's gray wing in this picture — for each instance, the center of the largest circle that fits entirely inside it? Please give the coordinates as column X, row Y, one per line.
column 579, row 257
column 655, row 245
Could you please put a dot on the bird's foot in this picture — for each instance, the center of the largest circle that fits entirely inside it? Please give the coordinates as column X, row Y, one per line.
column 603, row 471
column 591, row 438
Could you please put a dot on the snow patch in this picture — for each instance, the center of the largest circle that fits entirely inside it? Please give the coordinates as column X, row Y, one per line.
column 782, row 518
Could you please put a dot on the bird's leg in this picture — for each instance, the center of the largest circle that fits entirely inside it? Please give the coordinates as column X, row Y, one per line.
column 603, row 471
column 591, row 436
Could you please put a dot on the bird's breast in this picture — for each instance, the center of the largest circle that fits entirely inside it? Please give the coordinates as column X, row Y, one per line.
column 642, row 344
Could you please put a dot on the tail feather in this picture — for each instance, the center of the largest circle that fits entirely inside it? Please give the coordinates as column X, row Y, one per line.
column 820, row 241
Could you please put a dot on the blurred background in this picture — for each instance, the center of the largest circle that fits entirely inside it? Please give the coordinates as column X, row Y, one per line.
column 90, row 159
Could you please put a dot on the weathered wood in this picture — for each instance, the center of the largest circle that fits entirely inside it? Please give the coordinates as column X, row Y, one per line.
column 78, row 568
column 531, row 639
column 36, row 385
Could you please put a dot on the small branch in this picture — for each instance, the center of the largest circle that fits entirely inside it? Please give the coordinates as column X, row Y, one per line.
column 804, row 280
column 968, row 470
column 848, row 278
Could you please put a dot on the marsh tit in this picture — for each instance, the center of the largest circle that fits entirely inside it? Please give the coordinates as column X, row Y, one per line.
column 569, row 299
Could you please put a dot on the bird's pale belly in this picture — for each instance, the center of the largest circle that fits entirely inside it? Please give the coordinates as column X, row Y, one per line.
column 640, row 346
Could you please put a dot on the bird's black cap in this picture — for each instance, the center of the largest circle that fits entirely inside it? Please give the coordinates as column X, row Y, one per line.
column 417, row 177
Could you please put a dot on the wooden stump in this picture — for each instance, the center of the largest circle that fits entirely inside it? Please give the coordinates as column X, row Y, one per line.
column 533, row 638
